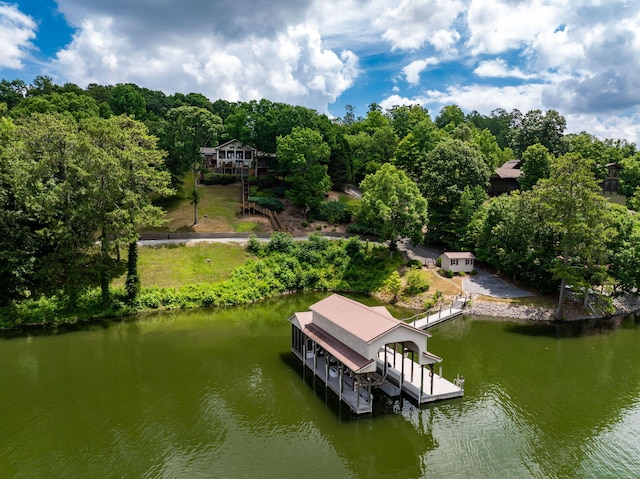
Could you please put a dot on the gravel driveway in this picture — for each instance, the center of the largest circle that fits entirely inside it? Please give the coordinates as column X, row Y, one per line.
column 491, row 285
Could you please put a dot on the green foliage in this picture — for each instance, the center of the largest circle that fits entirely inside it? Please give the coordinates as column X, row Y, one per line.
column 536, row 161
column 272, row 204
column 392, row 205
column 394, row 284
column 414, row 263
column 219, row 179
column 538, row 127
column 417, row 282
column 447, row 171
column 334, row 212
column 302, row 160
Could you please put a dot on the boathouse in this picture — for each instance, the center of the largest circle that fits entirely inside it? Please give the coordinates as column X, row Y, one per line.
column 358, row 351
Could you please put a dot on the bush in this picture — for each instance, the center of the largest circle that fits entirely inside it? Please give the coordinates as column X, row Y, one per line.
column 219, row 179
column 334, row 212
column 359, row 229
column 272, row 204
column 447, row 274
column 414, row 264
column 439, row 262
column 417, row 282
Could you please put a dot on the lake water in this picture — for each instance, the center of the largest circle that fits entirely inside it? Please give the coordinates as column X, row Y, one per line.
column 212, row 393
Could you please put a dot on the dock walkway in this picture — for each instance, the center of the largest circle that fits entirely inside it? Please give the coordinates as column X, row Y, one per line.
column 441, row 316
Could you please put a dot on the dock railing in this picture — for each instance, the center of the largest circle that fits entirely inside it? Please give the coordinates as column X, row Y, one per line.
column 431, row 317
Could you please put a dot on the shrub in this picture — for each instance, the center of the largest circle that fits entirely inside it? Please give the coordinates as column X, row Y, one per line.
column 439, row 262
column 417, row 282
column 272, row 204
column 473, row 272
column 219, row 179
column 253, row 246
column 334, row 212
column 414, row 264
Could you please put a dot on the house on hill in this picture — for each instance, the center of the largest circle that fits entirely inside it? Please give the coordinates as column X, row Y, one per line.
column 357, row 351
column 505, row 178
column 457, row 262
column 612, row 180
column 235, row 158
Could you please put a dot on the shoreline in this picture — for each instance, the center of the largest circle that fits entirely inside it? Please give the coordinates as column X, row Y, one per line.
column 624, row 305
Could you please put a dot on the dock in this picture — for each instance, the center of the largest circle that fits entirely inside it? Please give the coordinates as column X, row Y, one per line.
column 359, row 352
column 429, row 321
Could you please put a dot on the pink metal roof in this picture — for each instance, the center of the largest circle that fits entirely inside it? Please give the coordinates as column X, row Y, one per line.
column 458, row 254
column 361, row 321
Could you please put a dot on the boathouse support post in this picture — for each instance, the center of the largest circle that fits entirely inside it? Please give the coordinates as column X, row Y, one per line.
column 421, row 383
column 431, row 368
column 315, row 364
column 402, row 367
column 395, row 350
column 304, row 358
column 341, row 381
column 412, row 363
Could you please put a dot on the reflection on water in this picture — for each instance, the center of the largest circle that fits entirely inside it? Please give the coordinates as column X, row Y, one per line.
column 214, row 394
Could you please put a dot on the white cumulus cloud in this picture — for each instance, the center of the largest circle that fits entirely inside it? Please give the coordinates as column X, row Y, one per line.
column 412, row 70
column 17, row 31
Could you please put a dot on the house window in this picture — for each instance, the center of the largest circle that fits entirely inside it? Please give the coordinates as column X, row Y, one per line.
column 247, row 155
column 222, row 155
column 468, row 261
column 454, row 262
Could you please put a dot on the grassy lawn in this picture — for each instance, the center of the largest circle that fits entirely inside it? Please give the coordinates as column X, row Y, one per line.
column 217, row 211
column 177, row 265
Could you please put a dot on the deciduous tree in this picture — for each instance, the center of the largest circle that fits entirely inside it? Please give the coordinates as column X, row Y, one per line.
column 571, row 205
column 392, row 205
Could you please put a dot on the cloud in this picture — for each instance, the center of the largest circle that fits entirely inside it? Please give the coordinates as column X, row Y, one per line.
column 17, row 30
column 412, row 70
column 498, row 68
column 414, row 23
column 291, row 66
column 496, row 26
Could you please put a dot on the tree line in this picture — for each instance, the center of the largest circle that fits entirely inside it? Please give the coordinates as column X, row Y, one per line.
column 88, row 160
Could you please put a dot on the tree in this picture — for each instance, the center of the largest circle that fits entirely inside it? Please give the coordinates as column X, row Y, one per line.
column 49, row 185
column 537, row 127
column 506, row 233
column 302, row 157
column 392, row 205
column 450, row 115
column 125, row 99
column 417, row 144
column 536, row 162
column 445, row 172
column 189, row 128
column 570, row 205
column 125, row 167
column 404, row 118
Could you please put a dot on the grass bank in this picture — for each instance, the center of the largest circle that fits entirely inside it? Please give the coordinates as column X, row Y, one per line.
column 217, row 211
column 182, row 277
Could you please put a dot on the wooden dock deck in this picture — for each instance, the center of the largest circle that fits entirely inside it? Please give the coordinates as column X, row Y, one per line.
column 437, row 318
column 417, row 381
column 360, row 403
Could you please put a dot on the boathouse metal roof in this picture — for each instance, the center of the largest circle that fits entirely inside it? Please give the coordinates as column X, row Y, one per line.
column 354, row 333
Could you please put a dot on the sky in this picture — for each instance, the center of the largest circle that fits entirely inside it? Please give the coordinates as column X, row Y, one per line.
column 579, row 57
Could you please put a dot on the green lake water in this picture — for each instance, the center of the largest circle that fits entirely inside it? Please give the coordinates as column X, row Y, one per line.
column 213, row 394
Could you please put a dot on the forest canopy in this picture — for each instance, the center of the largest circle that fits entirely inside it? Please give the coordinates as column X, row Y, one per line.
column 68, row 152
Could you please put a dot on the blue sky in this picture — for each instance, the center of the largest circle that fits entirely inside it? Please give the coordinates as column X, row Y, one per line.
column 579, row 57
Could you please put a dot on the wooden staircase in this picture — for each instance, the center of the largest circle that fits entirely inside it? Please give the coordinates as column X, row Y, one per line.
column 253, row 208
